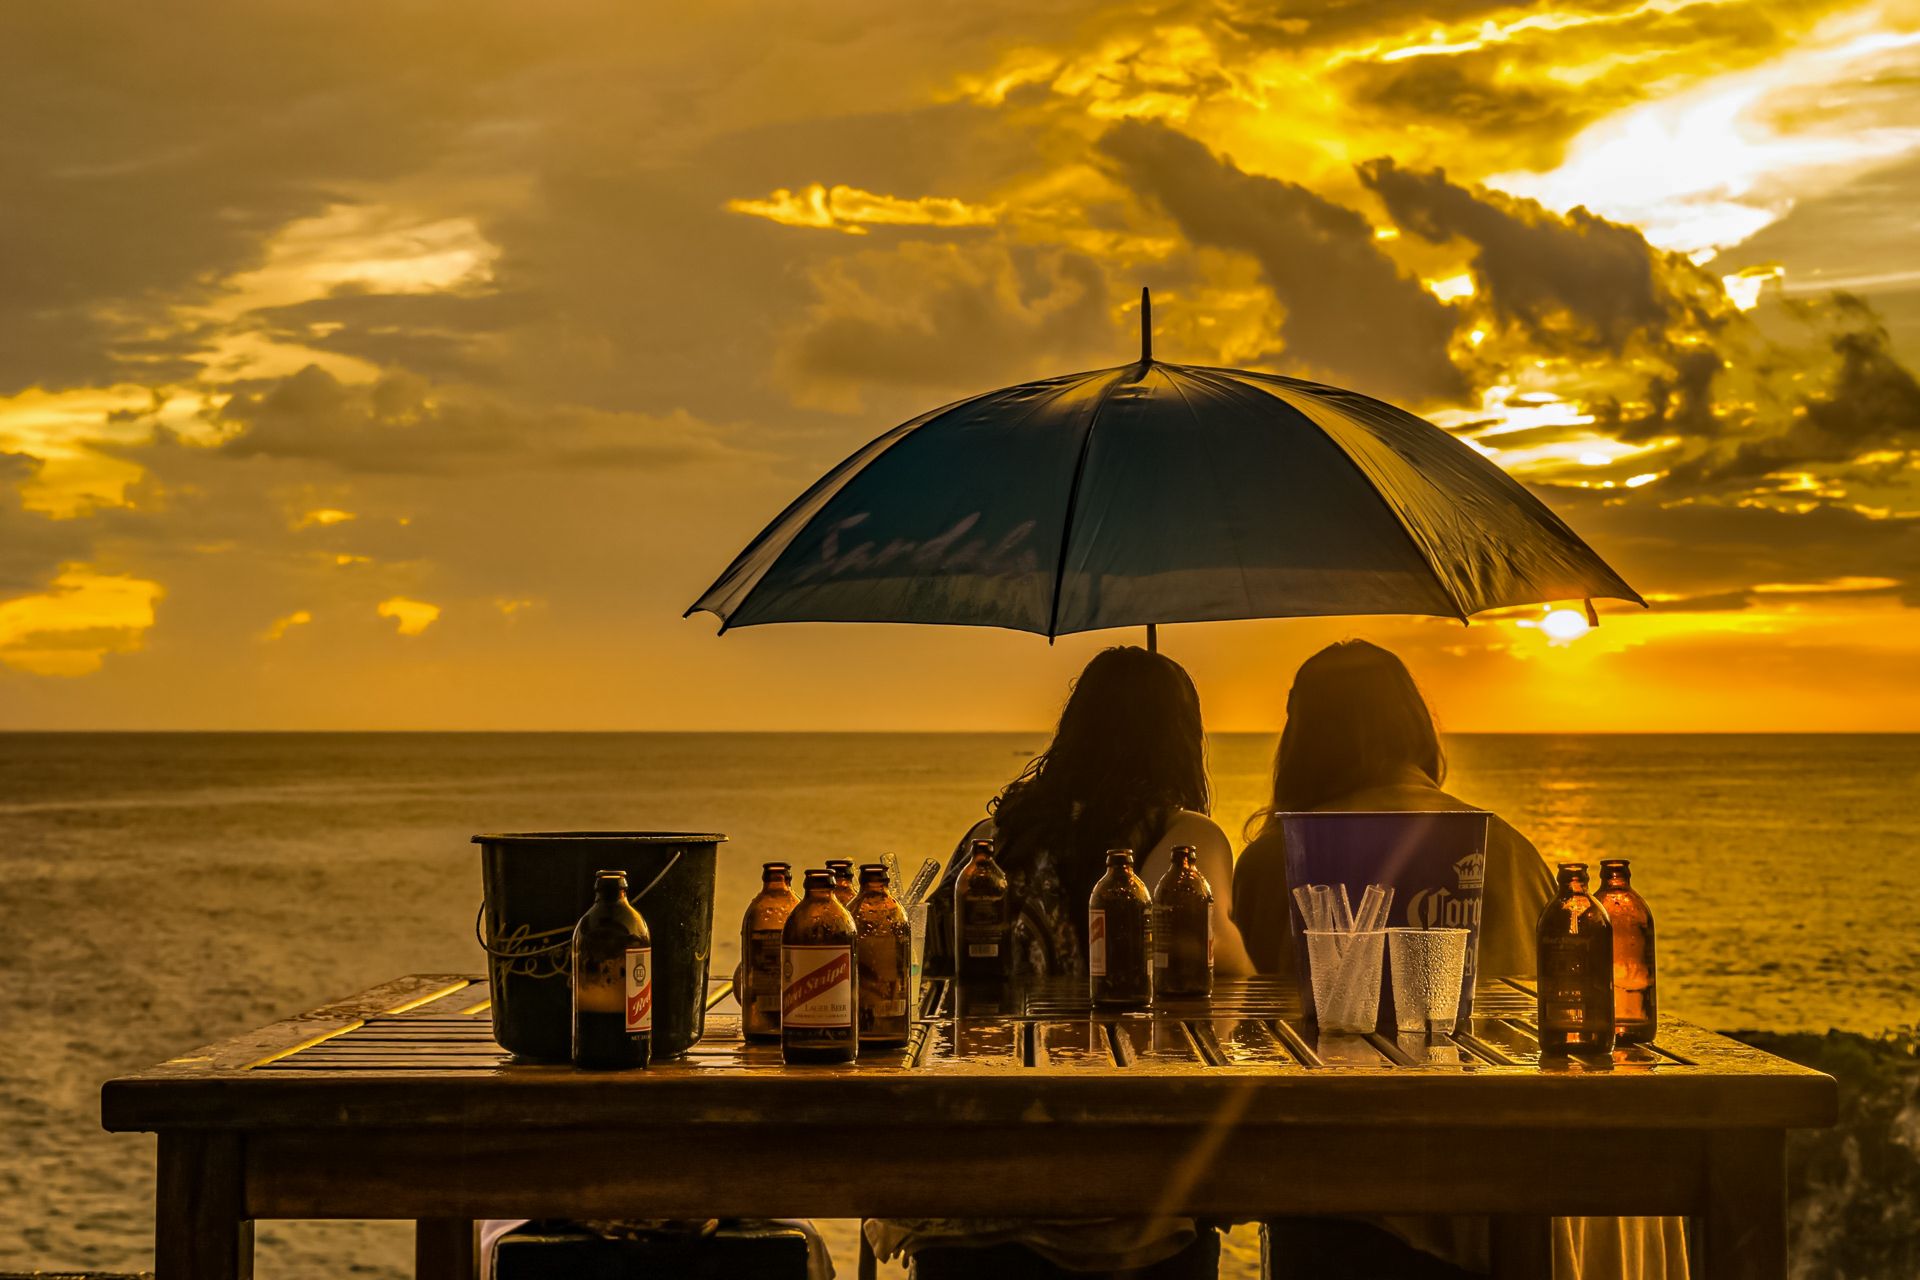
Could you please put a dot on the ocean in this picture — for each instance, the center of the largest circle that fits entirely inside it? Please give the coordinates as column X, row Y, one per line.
column 160, row 891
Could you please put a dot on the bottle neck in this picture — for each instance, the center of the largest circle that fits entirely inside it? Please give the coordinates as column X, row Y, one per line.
column 1616, row 878
column 610, row 889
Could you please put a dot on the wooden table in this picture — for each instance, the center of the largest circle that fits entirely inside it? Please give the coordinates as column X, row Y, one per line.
column 397, row 1103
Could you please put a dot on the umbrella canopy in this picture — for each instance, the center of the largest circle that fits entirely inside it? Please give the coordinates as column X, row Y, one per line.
column 1152, row 493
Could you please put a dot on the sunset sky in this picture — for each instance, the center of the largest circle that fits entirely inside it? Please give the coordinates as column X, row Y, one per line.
column 414, row 365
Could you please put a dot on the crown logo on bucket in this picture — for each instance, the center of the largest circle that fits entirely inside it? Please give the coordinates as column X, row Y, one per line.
column 1471, row 871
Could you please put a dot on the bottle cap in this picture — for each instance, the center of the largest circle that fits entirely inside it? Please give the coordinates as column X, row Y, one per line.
column 604, row 876
column 1119, row 857
column 980, row 846
column 818, row 877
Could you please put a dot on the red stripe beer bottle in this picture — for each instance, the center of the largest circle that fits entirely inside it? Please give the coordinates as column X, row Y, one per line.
column 1120, row 937
column 760, row 935
column 843, row 889
column 882, row 959
column 612, row 980
column 1575, row 961
column 1636, row 1010
column 1183, row 929
column 818, row 998
column 982, row 924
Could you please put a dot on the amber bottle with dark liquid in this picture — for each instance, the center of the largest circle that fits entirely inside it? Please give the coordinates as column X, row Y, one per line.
column 1120, row 937
column 882, row 957
column 982, row 923
column 818, row 998
column 1183, row 929
column 760, row 933
column 843, row 889
column 1574, row 951
column 612, row 980
column 1636, row 1011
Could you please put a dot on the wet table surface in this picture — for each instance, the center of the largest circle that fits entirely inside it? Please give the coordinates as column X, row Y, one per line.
column 398, row 1103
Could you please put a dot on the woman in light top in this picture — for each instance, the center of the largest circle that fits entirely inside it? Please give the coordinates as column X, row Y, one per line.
column 1359, row 737
column 1126, row 769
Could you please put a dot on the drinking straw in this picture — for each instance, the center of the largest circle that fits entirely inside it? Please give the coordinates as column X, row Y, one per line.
column 1303, row 898
column 1323, row 905
column 1386, row 906
column 922, row 883
column 1342, row 908
column 1369, row 902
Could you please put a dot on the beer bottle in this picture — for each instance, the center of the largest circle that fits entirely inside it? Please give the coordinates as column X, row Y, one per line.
column 612, row 980
column 982, row 921
column 1575, row 961
column 760, row 952
column 1120, row 937
column 1183, row 928
column 843, row 889
column 817, row 997
column 1635, row 1008
column 882, row 958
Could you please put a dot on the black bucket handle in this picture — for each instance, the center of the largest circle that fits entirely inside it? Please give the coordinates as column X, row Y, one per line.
column 525, row 947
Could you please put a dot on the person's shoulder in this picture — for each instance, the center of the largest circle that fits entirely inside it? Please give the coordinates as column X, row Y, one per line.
column 1188, row 826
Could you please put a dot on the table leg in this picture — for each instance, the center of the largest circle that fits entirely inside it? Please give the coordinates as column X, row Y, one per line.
column 1522, row 1247
column 443, row 1249
column 869, row 1267
column 1747, row 1205
column 199, row 1231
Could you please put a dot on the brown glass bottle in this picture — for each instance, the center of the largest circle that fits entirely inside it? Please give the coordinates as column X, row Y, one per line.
column 1574, row 951
column 982, row 922
column 882, row 957
column 1636, row 1010
column 1120, row 937
column 843, row 889
column 760, row 932
column 612, row 980
column 818, row 999
column 1182, row 929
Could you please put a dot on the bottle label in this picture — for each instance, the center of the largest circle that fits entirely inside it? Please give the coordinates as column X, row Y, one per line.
column 1097, row 943
column 1566, row 980
column 984, row 923
column 639, row 989
column 819, row 987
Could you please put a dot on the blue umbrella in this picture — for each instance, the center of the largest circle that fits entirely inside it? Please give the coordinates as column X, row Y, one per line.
column 1153, row 493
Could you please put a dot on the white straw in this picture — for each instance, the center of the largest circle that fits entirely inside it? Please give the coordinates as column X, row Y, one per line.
column 1303, row 898
column 1386, row 906
column 1342, row 909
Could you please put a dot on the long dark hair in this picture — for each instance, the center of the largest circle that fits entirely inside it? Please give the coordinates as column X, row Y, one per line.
column 1355, row 719
column 1129, row 747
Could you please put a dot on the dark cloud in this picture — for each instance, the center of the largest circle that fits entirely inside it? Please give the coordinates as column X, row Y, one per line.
column 1351, row 315
column 403, row 424
column 32, row 546
column 1871, row 403
column 930, row 315
column 1575, row 283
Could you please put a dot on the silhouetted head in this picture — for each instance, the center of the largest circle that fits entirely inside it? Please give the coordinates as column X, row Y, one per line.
column 1355, row 719
column 1129, row 748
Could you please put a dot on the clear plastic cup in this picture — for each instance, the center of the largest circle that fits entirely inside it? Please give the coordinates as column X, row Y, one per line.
column 1426, row 966
column 1346, row 979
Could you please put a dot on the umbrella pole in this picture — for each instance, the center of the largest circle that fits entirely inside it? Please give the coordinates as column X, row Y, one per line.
column 1153, row 638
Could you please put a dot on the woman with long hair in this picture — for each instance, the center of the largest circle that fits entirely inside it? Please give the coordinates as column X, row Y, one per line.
column 1359, row 737
column 1126, row 769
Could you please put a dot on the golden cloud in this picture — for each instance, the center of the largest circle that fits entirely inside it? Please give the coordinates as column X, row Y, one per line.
column 852, row 210
column 410, row 616
column 69, row 629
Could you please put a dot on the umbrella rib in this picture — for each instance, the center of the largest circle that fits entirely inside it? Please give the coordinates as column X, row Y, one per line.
column 1073, row 501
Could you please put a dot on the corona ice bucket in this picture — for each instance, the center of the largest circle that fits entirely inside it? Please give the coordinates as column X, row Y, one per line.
column 1436, row 863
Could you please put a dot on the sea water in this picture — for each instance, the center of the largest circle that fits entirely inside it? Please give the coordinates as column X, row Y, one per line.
column 158, row 892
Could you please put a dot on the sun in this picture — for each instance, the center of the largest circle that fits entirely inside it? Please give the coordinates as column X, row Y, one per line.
column 1564, row 625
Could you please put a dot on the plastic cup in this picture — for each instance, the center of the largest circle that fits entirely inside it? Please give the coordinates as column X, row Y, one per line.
column 1346, row 979
column 1426, row 966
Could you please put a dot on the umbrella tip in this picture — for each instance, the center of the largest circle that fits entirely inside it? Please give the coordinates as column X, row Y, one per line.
column 1146, row 325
